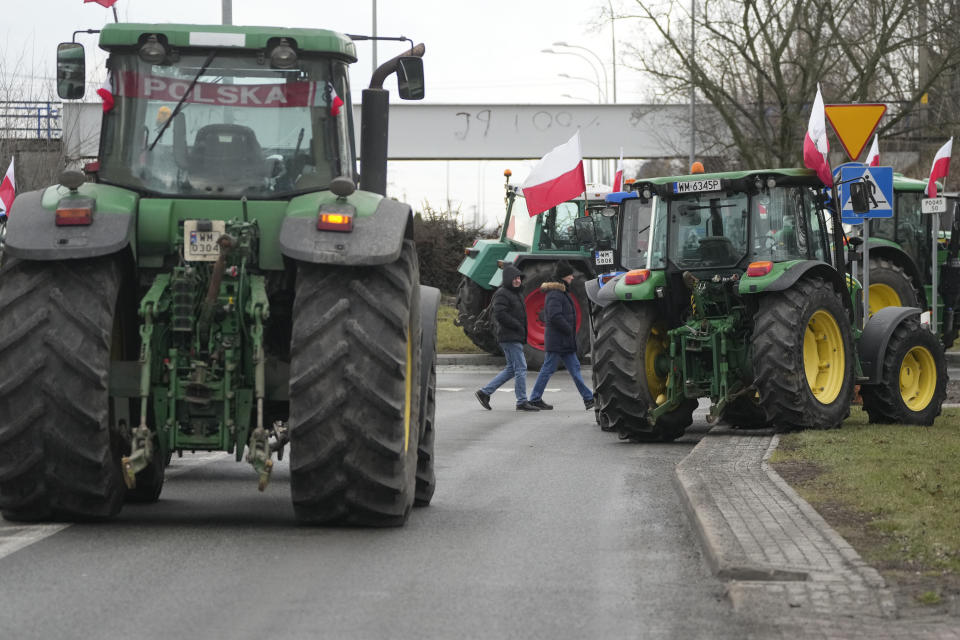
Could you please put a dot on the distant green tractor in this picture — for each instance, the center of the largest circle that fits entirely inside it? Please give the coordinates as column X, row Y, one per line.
column 222, row 285
column 738, row 301
column 534, row 245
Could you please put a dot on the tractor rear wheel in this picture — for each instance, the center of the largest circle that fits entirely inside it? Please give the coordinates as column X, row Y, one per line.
column 59, row 456
column 890, row 286
column 803, row 357
column 426, row 478
column 535, row 274
column 913, row 381
column 355, row 392
column 630, row 339
column 475, row 317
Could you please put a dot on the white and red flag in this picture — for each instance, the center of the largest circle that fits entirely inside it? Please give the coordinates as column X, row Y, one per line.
column 106, row 92
column 105, row 3
column 815, row 144
column 558, row 177
column 335, row 101
column 873, row 156
column 618, row 176
column 8, row 189
column 940, row 168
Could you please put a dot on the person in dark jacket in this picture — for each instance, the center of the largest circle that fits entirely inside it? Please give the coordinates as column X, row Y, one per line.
column 510, row 318
column 560, row 337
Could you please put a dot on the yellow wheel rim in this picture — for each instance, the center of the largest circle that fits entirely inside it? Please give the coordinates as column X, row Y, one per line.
column 656, row 344
column 824, row 360
column 883, row 295
column 918, row 378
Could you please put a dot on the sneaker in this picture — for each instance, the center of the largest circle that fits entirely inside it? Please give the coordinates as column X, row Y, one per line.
column 540, row 404
column 526, row 406
column 484, row 399
column 588, row 404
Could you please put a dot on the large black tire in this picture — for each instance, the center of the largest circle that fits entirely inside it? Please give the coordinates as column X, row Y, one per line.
column 804, row 325
column 426, row 478
column 629, row 338
column 745, row 412
column 890, row 286
column 59, row 456
column 536, row 273
column 475, row 317
column 913, row 381
column 355, row 392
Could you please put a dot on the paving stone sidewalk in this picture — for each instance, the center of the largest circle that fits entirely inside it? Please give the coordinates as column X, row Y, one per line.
column 781, row 560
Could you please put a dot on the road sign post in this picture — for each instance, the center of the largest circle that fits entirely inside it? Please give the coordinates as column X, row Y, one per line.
column 934, row 206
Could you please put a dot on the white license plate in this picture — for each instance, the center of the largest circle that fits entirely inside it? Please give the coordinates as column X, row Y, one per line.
column 201, row 245
column 695, row 186
column 933, row 205
column 604, row 257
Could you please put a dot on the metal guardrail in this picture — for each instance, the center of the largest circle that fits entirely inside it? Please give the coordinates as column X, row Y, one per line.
column 35, row 119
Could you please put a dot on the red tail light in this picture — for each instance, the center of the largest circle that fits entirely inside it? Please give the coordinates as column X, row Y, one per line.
column 636, row 276
column 334, row 221
column 757, row 269
column 70, row 215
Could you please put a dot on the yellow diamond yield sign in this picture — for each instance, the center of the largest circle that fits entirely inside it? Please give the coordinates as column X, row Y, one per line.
column 854, row 124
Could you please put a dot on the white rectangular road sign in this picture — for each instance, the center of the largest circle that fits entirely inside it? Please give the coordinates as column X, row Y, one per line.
column 933, row 205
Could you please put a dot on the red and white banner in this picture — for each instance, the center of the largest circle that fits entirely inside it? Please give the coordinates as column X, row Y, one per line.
column 106, row 92
column 8, row 190
column 290, row 94
column 618, row 176
column 815, row 144
column 335, row 101
column 940, row 168
column 873, row 156
column 557, row 178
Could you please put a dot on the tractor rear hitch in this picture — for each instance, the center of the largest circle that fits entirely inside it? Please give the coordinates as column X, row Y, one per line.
column 259, row 456
column 141, row 453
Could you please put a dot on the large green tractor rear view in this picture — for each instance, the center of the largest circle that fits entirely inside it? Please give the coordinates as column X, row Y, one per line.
column 534, row 245
column 222, row 285
column 739, row 302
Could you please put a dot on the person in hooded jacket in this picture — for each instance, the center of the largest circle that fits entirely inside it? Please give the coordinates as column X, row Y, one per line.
column 510, row 317
column 560, row 337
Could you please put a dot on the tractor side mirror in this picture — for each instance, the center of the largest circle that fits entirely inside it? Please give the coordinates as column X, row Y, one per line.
column 860, row 197
column 583, row 228
column 71, row 70
column 410, row 78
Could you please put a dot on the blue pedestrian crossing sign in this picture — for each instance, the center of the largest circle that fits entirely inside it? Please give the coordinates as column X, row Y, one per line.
column 879, row 191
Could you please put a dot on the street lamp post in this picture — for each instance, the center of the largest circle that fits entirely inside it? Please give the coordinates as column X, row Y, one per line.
column 590, row 51
column 601, row 96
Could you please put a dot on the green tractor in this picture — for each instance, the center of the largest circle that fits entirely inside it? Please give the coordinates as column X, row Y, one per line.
column 534, row 245
column 221, row 285
column 739, row 301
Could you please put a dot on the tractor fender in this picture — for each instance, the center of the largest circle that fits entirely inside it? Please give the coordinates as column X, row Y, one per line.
column 876, row 335
column 429, row 306
column 604, row 295
column 32, row 233
column 807, row 268
column 374, row 239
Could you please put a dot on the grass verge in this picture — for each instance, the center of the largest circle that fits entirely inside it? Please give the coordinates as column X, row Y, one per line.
column 451, row 338
column 892, row 491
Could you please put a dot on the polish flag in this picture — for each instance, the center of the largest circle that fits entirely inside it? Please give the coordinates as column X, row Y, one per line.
column 558, row 177
column 815, row 145
column 618, row 176
column 7, row 191
column 106, row 92
column 873, row 157
column 105, row 3
column 940, row 168
column 335, row 101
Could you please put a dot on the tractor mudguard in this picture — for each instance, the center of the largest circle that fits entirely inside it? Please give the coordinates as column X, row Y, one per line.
column 32, row 233
column 375, row 239
column 602, row 296
column 788, row 278
column 592, row 288
column 876, row 335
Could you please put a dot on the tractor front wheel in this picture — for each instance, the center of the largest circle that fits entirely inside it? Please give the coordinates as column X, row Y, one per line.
column 890, row 286
column 475, row 317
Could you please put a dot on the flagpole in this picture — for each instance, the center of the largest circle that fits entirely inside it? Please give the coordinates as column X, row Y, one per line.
column 115, row 19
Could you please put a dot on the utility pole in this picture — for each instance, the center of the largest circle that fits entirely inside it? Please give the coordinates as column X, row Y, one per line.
column 693, row 95
column 374, row 41
column 227, row 11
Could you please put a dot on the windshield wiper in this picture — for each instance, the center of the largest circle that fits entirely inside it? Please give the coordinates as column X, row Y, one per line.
column 176, row 109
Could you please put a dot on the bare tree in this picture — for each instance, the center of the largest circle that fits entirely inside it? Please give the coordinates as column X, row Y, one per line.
column 757, row 63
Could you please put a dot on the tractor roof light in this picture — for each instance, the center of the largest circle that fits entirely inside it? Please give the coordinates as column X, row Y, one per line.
column 637, row 276
column 283, row 56
column 758, row 269
column 152, row 50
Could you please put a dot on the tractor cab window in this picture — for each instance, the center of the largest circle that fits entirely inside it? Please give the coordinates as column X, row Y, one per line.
column 782, row 218
column 557, row 232
column 243, row 128
column 604, row 225
column 708, row 230
column 636, row 232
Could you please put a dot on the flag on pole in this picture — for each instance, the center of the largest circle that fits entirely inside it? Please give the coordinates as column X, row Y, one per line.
column 873, row 156
column 335, row 101
column 618, row 176
column 106, row 92
column 104, row 3
column 940, row 168
column 556, row 178
column 8, row 189
column 815, row 144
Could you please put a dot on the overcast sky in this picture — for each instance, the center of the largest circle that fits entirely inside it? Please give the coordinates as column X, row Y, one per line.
column 477, row 52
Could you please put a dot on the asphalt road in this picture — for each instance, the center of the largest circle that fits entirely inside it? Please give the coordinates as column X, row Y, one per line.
column 542, row 526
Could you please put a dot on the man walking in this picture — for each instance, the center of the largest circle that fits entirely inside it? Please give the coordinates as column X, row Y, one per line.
column 560, row 337
column 510, row 318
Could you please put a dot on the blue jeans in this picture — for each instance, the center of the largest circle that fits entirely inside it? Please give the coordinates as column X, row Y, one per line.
column 516, row 368
column 550, row 364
